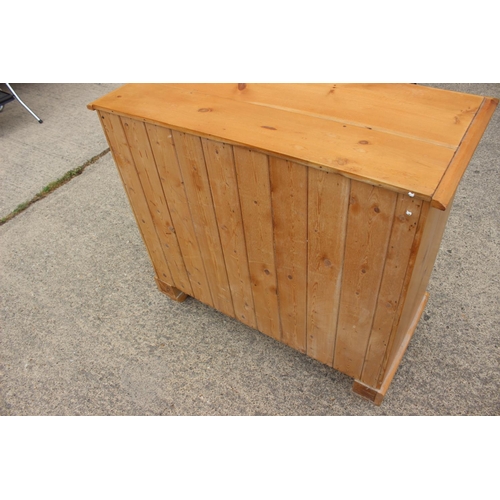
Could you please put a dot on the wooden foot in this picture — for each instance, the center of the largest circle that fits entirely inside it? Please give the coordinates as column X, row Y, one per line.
column 170, row 291
column 368, row 392
column 377, row 395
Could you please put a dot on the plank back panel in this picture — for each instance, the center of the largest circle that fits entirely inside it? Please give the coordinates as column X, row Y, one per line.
column 396, row 267
column 222, row 177
column 124, row 161
column 252, row 172
column 264, row 239
column 369, row 225
column 195, row 177
column 161, row 140
column 142, row 154
column 328, row 202
column 289, row 208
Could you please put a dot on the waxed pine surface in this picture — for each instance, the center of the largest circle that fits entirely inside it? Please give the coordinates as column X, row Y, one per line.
column 381, row 134
column 280, row 215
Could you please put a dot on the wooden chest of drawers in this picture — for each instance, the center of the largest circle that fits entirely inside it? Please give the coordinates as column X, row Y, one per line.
column 311, row 212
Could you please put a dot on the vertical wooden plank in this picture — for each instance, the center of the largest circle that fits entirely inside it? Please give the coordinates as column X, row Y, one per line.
column 397, row 355
column 328, row 203
column 222, row 177
column 398, row 256
column 369, row 225
column 123, row 158
column 434, row 226
column 162, row 144
column 430, row 232
column 142, row 154
column 194, row 175
column 289, row 209
column 252, row 172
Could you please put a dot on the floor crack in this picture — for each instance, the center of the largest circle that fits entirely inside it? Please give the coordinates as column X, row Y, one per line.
column 50, row 188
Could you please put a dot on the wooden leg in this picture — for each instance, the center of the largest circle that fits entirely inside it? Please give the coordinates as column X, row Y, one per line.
column 368, row 392
column 170, row 291
column 377, row 395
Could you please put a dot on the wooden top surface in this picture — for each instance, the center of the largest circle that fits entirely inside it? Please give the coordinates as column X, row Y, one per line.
column 401, row 136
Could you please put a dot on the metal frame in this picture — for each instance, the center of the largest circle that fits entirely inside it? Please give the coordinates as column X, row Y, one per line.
column 22, row 103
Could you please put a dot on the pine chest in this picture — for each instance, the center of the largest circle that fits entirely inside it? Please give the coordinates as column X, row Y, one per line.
column 311, row 212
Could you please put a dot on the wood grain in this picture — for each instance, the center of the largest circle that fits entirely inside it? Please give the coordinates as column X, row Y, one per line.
column 398, row 353
column 369, row 226
column 328, row 202
column 360, row 152
column 431, row 228
column 415, row 111
column 222, row 177
column 163, row 148
column 194, row 174
column 449, row 183
column 124, row 161
column 145, row 165
column 377, row 394
column 395, row 268
column 289, row 208
column 252, row 171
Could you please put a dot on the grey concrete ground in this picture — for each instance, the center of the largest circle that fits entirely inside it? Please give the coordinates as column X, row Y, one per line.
column 84, row 330
column 34, row 155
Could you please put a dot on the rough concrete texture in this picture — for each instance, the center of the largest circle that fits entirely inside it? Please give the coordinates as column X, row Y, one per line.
column 35, row 154
column 86, row 332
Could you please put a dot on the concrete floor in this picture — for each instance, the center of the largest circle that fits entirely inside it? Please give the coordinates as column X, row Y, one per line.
column 85, row 331
column 35, row 154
